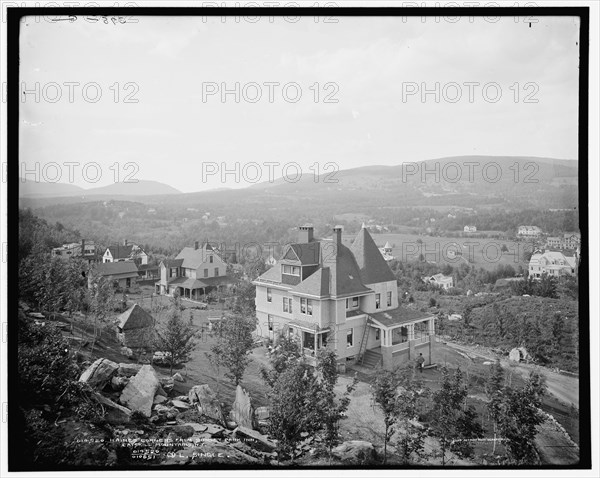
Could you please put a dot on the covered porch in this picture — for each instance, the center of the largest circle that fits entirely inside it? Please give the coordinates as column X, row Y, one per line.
column 405, row 334
column 312, row 338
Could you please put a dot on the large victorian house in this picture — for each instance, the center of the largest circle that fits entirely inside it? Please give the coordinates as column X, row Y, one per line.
column 326, row 293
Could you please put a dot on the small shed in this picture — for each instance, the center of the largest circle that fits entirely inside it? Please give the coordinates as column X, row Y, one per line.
column 135, row 328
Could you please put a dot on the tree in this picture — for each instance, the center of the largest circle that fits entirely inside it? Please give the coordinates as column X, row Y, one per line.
column 233, row 345
column 284, row 355
column 519, row 417
column 453, row 422
column 494, row 389
column 175, row 337
column 384, row 390
column 101, row 303
column 410, row 394
column 332, row 407
column 294, row 407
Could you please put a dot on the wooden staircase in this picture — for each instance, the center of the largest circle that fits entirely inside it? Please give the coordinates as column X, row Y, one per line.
column 371, row 359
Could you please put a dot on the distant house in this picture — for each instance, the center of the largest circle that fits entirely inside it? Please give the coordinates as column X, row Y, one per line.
column 135, row 328
column 553, row 263
column 270, row 261
column 122, row 274
column 470, row 229
column 569, row 240
column 445, row 282
column 195, row 272
column 86, row 250
column 529, row 231
column 125, row 252
column 453, row 254
column 386, row 252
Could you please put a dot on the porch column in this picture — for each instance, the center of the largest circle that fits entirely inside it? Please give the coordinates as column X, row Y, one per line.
column 411, row 332
column 431, row 326
column 315, row 342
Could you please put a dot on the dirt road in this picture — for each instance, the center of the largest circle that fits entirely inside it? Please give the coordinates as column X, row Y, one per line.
column 565, row 388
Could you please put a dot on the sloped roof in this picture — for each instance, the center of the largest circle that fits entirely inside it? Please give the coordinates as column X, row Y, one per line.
column 398, row 316
column 345, row 276
column 135, row 318
column 117, row 268
column 303, row 254
column 317, row 284
column 373, row 267
column 172, row 262
column 194, row 258
column 118, row 251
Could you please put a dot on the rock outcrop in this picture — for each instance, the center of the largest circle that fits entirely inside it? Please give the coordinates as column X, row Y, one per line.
column 242, row 411
column 355, row 452
column 207, row 399
column 99, row 373
column 115, row 413
column 140, row 391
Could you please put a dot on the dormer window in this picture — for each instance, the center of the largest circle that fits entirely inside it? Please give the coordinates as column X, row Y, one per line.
column 210, row 259
column 291, row 270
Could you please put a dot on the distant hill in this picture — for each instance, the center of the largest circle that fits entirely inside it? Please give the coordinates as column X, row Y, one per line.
column 460, row 181
column 33, row 189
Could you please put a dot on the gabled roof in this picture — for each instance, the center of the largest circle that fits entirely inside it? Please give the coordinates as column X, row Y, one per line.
column 117, row 268
column 194, row 258
column 303, row 254
column 373, row 267
column 135, row 318
column 172, row 262
column 118, row 251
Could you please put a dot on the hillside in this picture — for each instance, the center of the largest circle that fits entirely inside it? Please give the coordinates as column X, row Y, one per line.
column 35, row 189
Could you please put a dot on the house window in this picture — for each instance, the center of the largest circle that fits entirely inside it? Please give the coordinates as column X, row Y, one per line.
column 210, row 259
column 389, row 298
column 291, row 270
column 349, row 338
column 205, row 272
column 128, row 282
column 377, row 334
column 377, row 301
column 306, row 306
column 287, row 304
column 269, row 295
column 347, row 303
column 354, row 301
column 216, row 271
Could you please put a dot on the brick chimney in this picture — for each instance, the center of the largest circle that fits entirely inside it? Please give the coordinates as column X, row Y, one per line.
column 337, row 238
column 82, row 247
column 305, row 234
column 125, row 242
column 196, row 245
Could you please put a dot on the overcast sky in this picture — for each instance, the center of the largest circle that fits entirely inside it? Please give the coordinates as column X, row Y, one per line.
column 374, row 67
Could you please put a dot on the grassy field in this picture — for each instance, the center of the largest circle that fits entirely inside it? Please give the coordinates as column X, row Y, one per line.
column 484, row 252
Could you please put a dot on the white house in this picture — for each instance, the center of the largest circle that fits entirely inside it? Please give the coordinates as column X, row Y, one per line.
column 126, row 252
column 470, row 229
column 529, row 231
column 553, row 263
column 193, row 273
column 445, row 282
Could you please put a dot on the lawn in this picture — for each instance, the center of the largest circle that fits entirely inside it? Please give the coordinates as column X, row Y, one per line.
column 485, row 252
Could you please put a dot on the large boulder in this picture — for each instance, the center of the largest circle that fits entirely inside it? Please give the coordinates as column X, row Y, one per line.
column 355, row 452
column 115, row 413
column 99, row 373
column 243, row 412
column 208, row 401
column 257, row 438
column 514, row 355
column 129, row 369
column 139, row 392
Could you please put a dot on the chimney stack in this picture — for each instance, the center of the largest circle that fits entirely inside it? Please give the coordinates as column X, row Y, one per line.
column 196, row 245
column 125, row 242
column 305, row 234
column 337, row 237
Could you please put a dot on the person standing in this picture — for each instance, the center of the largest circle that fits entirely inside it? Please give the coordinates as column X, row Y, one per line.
column 421, row 362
